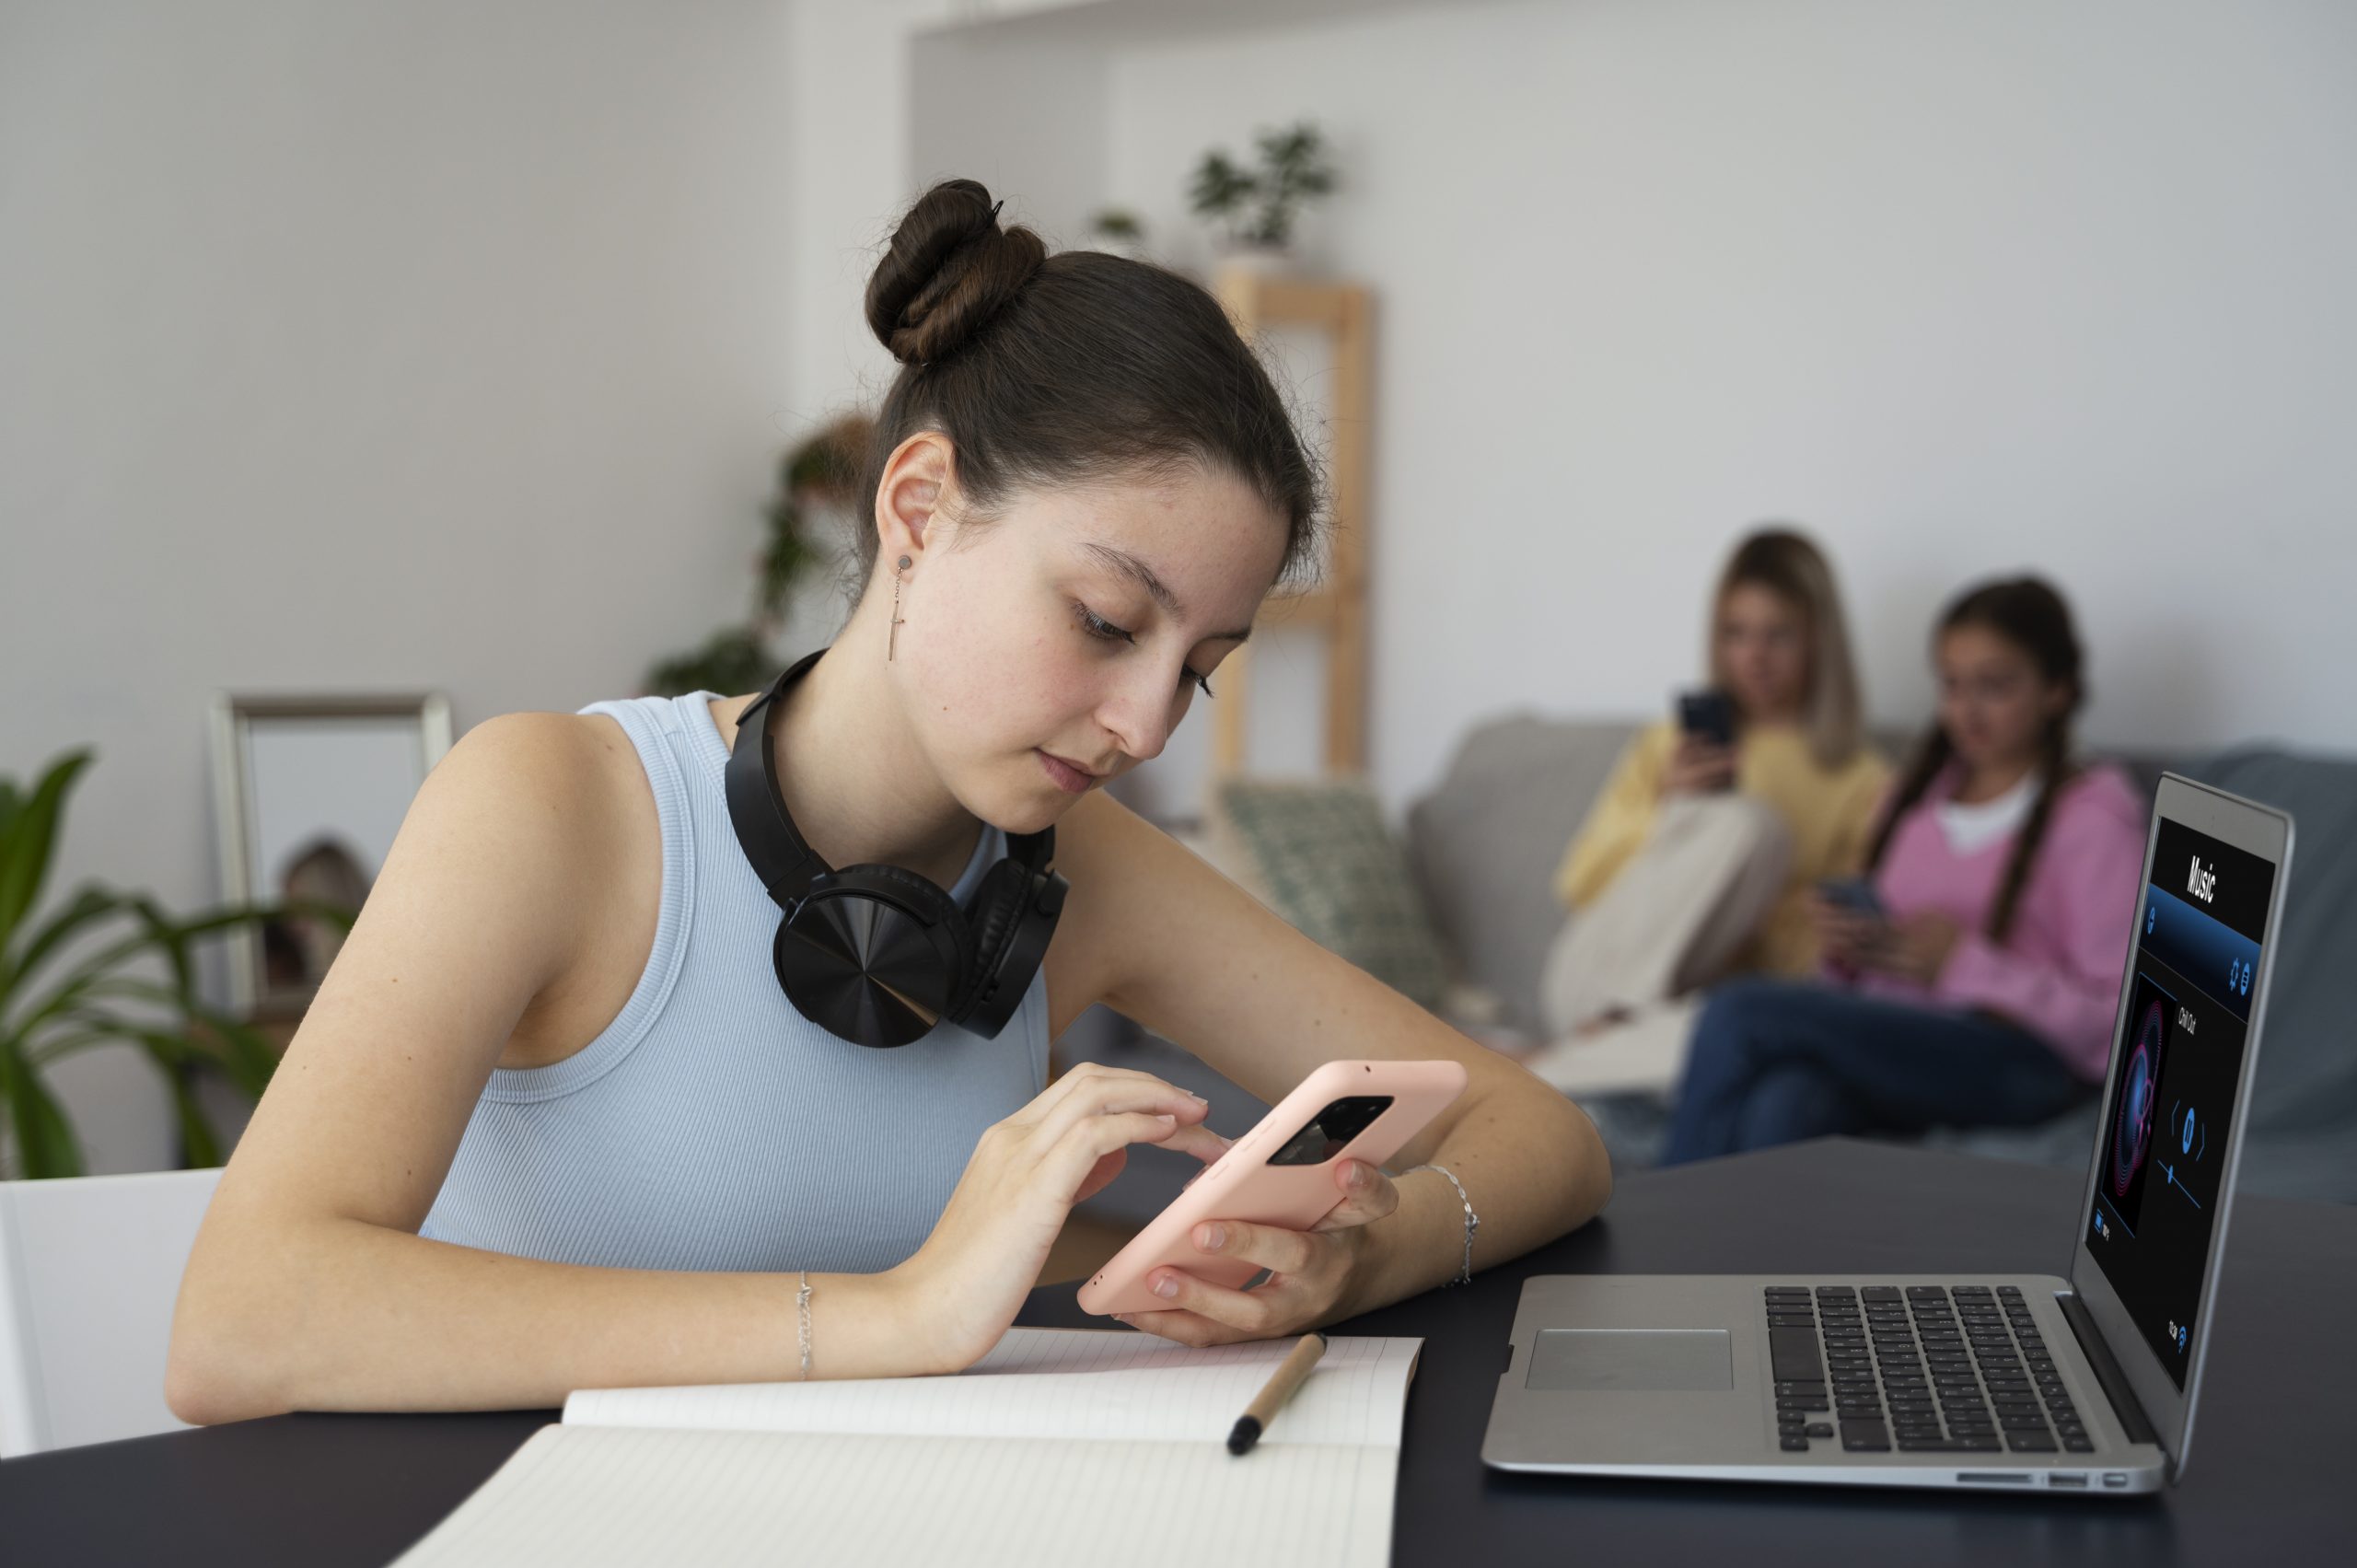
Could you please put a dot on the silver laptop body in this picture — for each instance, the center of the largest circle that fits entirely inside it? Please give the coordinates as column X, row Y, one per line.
column 1980, row 1381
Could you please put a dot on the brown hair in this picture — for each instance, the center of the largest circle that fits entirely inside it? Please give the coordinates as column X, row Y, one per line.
column 1786, row 564
column 2032, row 616
column 1045, row 370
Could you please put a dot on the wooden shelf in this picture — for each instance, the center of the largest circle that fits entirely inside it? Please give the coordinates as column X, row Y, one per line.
column 1336, row 607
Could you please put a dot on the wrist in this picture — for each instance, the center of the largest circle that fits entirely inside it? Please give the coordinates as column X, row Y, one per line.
column 912, row 1305
column 1403, row 1250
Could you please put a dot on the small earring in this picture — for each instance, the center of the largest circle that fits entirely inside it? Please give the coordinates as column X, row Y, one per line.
column 893, row 643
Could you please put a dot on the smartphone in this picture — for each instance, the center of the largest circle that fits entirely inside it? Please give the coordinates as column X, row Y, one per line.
column 1708, row 715
column 1855, row 894
column 1281, row 1173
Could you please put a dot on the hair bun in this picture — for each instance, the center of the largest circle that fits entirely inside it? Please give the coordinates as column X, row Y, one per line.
column 950, row 269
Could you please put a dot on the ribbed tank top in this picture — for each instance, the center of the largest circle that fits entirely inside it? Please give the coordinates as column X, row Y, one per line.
column 711, row 1125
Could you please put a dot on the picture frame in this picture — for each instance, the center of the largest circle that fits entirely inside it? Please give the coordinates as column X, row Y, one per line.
column 308, row 792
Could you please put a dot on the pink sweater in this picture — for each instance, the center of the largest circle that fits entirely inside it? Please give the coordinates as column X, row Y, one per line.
column 2058, row 972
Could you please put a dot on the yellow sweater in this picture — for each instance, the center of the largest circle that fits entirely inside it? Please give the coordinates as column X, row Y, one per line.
column 1830, row 812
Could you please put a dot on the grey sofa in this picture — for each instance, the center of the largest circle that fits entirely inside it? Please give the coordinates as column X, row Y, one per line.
column 1484, row 844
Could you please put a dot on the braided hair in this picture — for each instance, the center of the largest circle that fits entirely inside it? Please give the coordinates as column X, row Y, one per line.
column 2031, row 615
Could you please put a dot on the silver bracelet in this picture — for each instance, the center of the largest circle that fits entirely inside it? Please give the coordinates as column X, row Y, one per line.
column 802, row 1311
column 1473, row 1223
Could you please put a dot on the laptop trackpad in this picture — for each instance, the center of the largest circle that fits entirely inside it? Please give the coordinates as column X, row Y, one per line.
column 1632, row 1359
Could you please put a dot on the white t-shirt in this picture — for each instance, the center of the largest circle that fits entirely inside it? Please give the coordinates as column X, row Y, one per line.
column 1971, row 829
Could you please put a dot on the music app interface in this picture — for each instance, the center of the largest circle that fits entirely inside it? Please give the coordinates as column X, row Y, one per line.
column 2172, row 1077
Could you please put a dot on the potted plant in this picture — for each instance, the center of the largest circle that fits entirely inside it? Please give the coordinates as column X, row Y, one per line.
column 1118, row 230
column 1256, row 208
column 53, row 1006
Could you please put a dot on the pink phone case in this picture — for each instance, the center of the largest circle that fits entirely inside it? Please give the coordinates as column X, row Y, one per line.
column 1241, row 1185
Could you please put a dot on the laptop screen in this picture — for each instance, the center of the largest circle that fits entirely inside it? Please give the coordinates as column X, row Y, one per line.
column 2174, row 1071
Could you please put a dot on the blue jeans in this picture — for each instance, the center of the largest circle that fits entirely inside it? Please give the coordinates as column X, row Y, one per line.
column 1777, row 1060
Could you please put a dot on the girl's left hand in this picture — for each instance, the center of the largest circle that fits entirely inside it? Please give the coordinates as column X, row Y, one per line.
column 1918, row 946
column 1310, row 1271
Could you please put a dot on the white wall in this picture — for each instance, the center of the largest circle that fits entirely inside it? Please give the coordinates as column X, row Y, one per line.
column 849, row 118
column 443, row 344
column 415, row 343
column 1965, row 288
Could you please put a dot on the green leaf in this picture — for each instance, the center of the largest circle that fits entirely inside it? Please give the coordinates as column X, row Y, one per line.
column 45, row 1143
column 29, row 840
column 57, row 1047
column 172, row 1055
column 91, row 903
column 243, row 1054
column 156, row 930
column 204, row 1146
column 167, row 935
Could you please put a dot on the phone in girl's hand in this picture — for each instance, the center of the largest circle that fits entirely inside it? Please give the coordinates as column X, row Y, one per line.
column 1281, row 1173
column 1855, row 894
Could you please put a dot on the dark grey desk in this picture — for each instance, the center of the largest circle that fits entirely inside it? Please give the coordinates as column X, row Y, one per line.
column 2271, row 1477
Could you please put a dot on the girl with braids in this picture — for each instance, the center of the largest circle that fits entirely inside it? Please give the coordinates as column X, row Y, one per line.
column 552, row 1123
column 1984, row 993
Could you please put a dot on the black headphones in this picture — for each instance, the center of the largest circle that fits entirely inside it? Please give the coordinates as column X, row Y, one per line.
column 872, row 954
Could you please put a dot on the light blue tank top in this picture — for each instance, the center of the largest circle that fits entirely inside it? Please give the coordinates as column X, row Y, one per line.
column 712, row 1126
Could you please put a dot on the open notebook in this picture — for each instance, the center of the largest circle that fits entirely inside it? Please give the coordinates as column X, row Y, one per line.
column 1059, row 1447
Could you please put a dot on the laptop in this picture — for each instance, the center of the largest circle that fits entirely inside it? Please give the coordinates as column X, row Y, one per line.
column 1988, row 1381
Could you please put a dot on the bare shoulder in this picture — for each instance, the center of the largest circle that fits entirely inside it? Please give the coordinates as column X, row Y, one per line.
column 520, row 837
column 486, row 903
column 541, row 776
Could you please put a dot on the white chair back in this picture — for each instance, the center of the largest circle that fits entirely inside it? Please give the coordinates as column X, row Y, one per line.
column 89, row 1267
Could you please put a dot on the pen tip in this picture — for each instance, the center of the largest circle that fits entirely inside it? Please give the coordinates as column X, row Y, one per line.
column 1246, row 1432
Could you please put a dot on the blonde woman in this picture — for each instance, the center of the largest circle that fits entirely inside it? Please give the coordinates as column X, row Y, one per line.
column 1697, row 860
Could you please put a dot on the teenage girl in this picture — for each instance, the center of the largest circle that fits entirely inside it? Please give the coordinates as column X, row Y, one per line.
column 551, row 1123
column 1982, row 991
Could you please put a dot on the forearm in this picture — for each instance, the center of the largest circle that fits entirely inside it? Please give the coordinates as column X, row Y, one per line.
column 344, row 1315
column 1531, row 1163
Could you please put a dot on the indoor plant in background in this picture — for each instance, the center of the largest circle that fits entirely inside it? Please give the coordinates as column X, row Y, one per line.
column 53, row 1003
column 818, row 474
column 1256, row 207
column 1118, row 230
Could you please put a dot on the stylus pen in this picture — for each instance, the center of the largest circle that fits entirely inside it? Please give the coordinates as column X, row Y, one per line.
column 1289, row 1374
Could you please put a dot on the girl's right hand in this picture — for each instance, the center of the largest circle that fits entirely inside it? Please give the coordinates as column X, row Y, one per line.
column 1846, row 938
column 965, row 1284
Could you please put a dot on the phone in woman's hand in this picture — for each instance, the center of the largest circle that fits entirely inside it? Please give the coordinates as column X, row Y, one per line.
column 1707, row 714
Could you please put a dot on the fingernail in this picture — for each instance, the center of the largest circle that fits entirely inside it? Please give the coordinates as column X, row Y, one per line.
column 1358, row 1174
column 1212, row 1237
column 1167, row 1286
column 1170, row 1123
column 1197, row 1098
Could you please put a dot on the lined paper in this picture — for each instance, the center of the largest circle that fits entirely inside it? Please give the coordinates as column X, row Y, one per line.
column 591, row 1497
column 1056, row 1383
column 1061, row 1447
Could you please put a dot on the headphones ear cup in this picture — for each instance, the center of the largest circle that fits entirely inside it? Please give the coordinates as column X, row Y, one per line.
column 875, row 955
column 1016, row 925
column 992, row 917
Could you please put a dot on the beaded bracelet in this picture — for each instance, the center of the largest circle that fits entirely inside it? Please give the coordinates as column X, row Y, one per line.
column 1473, row 1223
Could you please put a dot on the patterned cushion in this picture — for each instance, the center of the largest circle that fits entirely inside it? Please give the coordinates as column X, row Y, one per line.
column 1319, row 855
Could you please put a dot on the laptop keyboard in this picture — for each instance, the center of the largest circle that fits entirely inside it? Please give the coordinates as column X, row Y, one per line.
column 1924, row 1370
